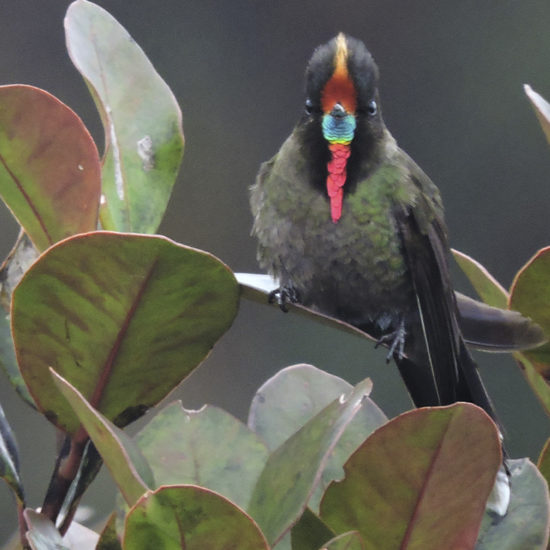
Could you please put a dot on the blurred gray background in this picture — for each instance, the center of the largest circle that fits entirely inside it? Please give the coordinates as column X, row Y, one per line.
column 451, row 88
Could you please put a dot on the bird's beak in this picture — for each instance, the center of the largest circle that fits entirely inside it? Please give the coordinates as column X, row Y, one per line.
column 338, row 111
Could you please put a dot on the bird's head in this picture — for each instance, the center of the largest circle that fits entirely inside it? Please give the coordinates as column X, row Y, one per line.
column 342, row 97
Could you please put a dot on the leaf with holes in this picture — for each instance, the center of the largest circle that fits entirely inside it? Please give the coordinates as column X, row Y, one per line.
column 49, row 166
column 140, row 115
column 419, row 481
column 122, row 317
column 208, row 447
column 294, row 469
column 295, row 395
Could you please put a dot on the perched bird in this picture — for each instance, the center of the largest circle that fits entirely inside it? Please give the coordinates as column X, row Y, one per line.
column 352, row 227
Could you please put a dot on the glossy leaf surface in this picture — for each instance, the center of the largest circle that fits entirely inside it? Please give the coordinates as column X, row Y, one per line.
column 294, row 469
column 420, row 481
column 194, row 518
column 140, row 115
column 208, row 447
column 530, row 295
column 295, row 395
column 123, row 318
column 49, row 166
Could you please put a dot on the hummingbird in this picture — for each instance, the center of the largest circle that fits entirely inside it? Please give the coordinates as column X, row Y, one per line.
column 352, row 227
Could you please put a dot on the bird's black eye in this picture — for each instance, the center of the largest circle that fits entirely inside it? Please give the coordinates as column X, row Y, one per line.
column 372, row 108
column 309, row 106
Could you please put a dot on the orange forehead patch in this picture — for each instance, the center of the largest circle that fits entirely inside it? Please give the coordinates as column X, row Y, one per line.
column 340, row 87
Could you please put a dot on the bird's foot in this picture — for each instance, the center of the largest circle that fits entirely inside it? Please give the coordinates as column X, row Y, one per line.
column 284, row 295
column 395, row 341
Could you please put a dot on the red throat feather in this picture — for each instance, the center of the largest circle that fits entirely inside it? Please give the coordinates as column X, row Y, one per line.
column 336, row 177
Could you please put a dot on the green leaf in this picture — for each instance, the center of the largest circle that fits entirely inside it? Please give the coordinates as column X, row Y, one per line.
column 49, row 166
column 538, row 384
column 310, row 532
column 121, row 456
column 526, row 524
column 295, row 395
column 108, row 539
column 194, row 518
column 347, row 541
column 9, row 458
column 530, row 295
column 541, row 108
column 420, row 481
column 294, row 469
column 140, row 115
column 488, row 288
column 42, row 534
column 208, row 447
column 543, row 463
column 123, row 318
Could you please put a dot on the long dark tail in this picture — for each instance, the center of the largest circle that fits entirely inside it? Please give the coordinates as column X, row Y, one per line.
column 418, row 377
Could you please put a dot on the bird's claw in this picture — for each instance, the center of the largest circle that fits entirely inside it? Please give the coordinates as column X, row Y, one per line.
column 395, row 341
column 284, row 295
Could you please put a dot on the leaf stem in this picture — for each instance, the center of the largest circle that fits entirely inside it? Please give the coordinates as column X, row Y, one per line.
column 66, row 469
